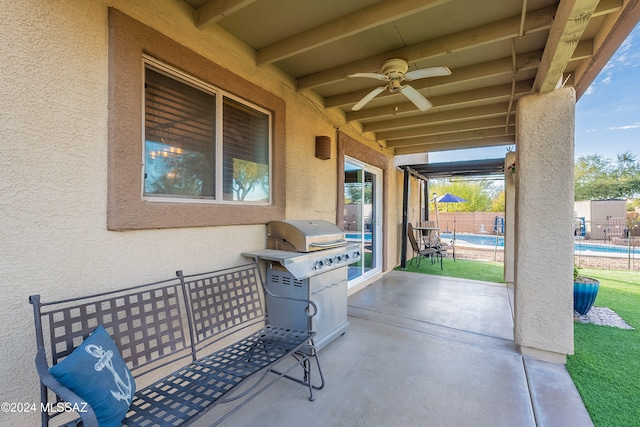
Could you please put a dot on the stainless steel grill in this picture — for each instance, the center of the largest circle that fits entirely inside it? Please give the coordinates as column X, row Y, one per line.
column 303, row 235
column 308, row 259
column 306, row 248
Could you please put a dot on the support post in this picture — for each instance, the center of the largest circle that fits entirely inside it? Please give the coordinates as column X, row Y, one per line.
column 543, row 306
column 405, row 218
column 510, row 178
column 426, row 200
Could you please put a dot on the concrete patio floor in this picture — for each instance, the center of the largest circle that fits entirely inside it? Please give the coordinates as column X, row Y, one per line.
column 424, row 351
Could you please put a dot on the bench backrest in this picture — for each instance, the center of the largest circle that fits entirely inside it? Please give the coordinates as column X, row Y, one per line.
column 223, row 302
column 155, row 324
column 146, row 322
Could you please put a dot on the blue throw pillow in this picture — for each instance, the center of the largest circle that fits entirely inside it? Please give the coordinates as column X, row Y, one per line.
column 96, row 372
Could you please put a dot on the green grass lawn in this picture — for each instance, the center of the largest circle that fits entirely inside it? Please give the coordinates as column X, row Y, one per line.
column 465, row 269
column 606, row 363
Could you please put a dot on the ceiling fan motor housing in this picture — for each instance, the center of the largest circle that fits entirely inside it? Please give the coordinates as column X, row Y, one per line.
column 395, row 68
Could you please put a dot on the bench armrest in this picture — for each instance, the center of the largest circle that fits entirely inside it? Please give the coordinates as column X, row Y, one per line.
column 88, row 416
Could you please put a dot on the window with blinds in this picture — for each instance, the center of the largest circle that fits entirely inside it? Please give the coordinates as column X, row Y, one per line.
column 245, row 152
column 184, row 121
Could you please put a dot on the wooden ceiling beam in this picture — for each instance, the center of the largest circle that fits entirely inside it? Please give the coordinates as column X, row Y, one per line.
column 342, row 27
column 495, row 93
column 434, row 118
column 611, row 35
column 215, row 10
column 537, row 20
column 457, row 145
column 570, row 21
column 450, row 137
column 606, row 7
column 470, row 125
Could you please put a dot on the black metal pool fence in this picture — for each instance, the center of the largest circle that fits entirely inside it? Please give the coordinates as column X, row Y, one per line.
column 613, row 245
column 607, row 245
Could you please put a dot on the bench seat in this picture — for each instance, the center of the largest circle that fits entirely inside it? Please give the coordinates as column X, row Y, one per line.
column 210, row 329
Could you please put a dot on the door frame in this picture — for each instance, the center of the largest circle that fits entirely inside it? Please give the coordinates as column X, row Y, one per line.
column 349, row 147
column 376, row 221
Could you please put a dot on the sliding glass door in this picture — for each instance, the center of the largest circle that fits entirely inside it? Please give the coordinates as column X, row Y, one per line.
column 363, row 216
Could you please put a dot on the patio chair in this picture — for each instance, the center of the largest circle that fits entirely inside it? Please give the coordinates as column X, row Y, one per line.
column 430, row 252
column 433, row 240
column 445, row 247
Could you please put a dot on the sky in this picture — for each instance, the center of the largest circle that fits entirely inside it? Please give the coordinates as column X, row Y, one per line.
column 607, row 114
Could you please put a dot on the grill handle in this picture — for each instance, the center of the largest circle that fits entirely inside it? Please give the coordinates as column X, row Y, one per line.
column 329, row 244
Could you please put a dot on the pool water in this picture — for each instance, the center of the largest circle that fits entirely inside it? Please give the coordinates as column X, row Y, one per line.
column 475, row 239
column 358, row 236
column 579, row 246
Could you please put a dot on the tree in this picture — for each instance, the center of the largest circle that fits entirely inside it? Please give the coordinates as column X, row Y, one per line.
column 598, row 178
column 353, row 192
column 246, row 175
column 498, row 202
column 479, row 194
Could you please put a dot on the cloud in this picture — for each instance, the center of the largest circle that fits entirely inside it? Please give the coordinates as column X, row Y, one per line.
column 628, row 54
column 626, row 127
column 626, row 58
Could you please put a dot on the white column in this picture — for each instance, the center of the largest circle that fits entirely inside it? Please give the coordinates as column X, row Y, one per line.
column 543, row 318
column 509, row 218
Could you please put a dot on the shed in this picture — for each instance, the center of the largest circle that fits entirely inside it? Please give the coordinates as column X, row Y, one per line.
column 603, row 218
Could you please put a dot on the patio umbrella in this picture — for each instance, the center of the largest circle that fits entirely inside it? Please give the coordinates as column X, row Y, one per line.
column 448, row 198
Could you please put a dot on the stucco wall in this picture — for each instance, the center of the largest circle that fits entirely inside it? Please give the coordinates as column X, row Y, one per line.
column 53, row 172
column 543, row 318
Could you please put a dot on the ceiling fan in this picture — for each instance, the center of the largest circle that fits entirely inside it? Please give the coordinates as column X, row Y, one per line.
column 394, row 72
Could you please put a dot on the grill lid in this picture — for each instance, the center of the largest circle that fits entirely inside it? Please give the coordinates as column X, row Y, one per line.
column 304, row 235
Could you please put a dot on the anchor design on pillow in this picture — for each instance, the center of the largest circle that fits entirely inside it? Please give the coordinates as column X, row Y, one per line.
column 124, row 390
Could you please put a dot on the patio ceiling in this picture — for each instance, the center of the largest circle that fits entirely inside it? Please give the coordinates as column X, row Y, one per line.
column 497, row 50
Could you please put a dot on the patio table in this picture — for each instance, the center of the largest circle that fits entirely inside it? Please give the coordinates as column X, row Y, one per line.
column 425, row 233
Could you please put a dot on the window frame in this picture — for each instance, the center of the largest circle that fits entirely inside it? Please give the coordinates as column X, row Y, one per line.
column 218, row 143
column 126, row 208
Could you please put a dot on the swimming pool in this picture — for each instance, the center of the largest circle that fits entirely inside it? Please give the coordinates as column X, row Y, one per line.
column 475, row 239
column 487, row 241
column 580, row 247
column 596, row 249
column 358, row 236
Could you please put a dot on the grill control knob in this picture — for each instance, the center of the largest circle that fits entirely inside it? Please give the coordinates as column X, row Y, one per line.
column 329, row 261
column 338, row 259
column 318, row 265
column 356, row 254
column 345, row 257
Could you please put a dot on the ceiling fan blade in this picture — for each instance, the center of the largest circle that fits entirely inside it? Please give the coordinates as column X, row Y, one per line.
column 427, row 72
column 368, row 98
column 414, row 96
column 370, row 76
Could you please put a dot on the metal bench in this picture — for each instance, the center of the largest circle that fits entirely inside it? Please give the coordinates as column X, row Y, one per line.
column 170, row 327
